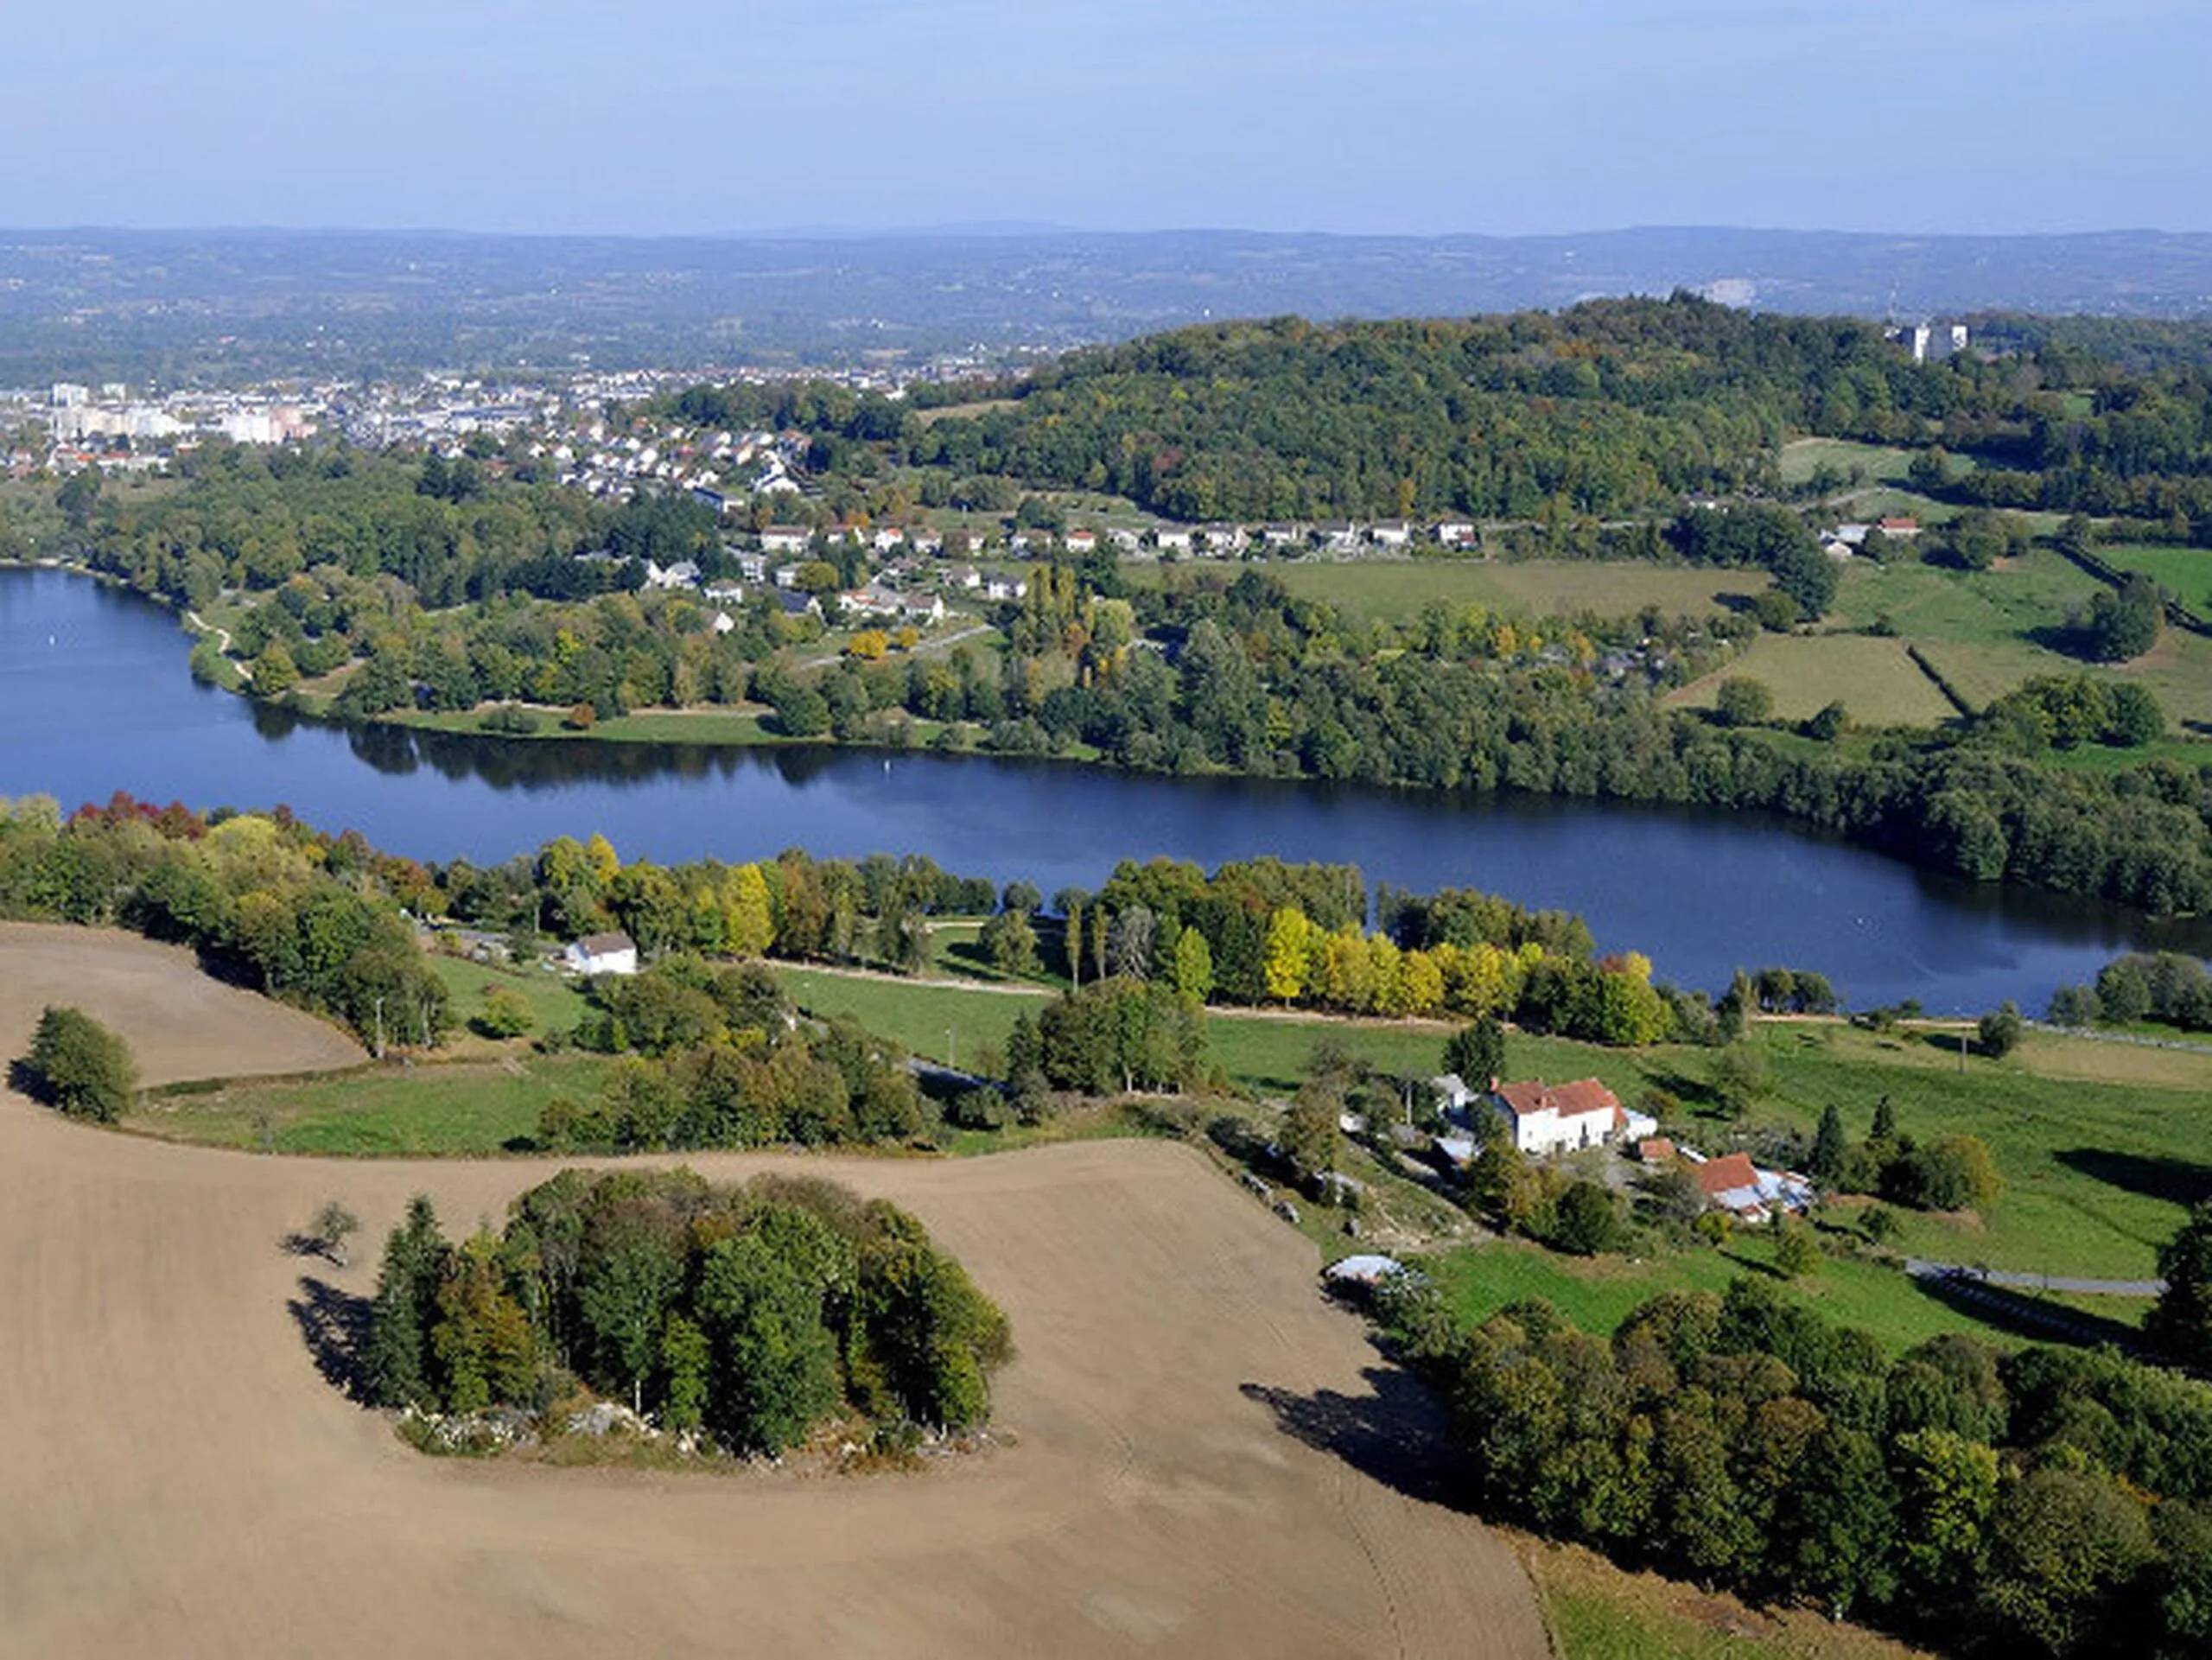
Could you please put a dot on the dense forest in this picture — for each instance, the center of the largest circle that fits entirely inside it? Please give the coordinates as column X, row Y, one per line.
column 750, row 1314
column 2044, row 1501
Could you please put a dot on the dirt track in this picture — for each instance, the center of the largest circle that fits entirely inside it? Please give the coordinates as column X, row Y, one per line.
column 1196, row 1428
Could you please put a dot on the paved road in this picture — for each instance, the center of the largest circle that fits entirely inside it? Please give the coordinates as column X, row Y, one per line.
column 1921, row 1270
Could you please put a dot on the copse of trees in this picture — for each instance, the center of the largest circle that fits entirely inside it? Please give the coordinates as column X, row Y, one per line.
column 754, row 1313
column 2168, row 987
column 2047, row 1502
column 79, row 1066
column 717, row 1057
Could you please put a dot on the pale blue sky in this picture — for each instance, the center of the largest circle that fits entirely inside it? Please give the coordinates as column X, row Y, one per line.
column 1419, row 116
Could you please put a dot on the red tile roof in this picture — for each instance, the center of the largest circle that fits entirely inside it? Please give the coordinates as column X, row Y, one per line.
column 1584, row 1095
column 1717, row 1176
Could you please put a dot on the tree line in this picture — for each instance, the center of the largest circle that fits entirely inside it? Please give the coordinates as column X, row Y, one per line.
column 306, row 917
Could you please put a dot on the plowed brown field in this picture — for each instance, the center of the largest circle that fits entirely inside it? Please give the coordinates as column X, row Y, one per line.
column 1195, row 1433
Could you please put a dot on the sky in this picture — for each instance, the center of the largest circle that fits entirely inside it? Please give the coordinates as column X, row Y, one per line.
column 1417, row 116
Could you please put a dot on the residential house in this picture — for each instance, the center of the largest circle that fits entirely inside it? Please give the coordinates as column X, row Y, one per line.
column 964, row 577
column 1556, row 1118
column 1005, row 588
column 1125, row 540
column 1225, row 541
column 685, row 573
column 1280, row 536
column 927, row 543
column 796, row 604
column 1735, row 1184
column 786, row 538
column 1082, row 541
column 888, row 538
column 753, row 567
column 602, row 954
column 1338, row 535
column 923, row 610
column 1456, row 532
column 787, row 576
column 1171, row 538
column 1390, row 532
column 1907, row 528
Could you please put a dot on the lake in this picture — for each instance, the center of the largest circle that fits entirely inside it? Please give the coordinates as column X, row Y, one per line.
column 99, row 698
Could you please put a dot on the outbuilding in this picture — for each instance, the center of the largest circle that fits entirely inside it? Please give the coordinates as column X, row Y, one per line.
column 602, row 954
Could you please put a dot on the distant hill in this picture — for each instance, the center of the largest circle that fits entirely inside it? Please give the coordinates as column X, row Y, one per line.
column 185, row 305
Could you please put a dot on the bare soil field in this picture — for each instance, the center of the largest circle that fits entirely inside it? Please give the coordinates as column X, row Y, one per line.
column 1203, row 1456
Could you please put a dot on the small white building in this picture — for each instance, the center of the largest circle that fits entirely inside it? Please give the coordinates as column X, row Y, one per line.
column 601, row 954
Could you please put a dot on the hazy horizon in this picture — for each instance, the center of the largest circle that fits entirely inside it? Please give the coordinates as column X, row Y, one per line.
column 1411, row 117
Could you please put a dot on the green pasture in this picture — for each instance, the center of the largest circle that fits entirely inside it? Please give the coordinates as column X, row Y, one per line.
column 1875, row 679
column 2186, row 571
column 445, row 1109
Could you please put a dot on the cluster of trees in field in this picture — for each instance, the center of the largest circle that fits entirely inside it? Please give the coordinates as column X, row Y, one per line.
column 306, row 918
column 2167, row 987
column 717, row 1057
column 78, row 1066
column 2043, row 1502
column 752, row 1313
column 2066, row 711
column 1949, row 1173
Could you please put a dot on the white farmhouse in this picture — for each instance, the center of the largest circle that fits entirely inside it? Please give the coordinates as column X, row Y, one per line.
column 602, row 954
column 1558, row 1118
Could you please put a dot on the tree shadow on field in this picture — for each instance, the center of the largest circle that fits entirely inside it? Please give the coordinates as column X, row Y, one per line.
column 2183, row 1181
column 28, row 1082
column 335, row 1325
column 1399, row 1433
column 2023, row 1314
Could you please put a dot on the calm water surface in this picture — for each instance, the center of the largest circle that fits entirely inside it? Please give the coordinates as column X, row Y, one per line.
column 99, row 698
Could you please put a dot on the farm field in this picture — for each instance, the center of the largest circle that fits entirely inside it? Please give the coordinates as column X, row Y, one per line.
column 2187, row 571
column 1985, row 631
column 1184, row 1464
column 1393, row 589
column 1874, row 678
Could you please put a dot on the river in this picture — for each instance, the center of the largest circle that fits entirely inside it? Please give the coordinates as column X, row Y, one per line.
column 99, row 698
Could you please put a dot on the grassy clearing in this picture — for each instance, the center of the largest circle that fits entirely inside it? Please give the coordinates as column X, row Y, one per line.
column 453, row 1109
column 1597, row 1293
column 1858, row 463
column 1394, row 589
column 1874, row 678
column 1596, row 1611
column 556, row 1001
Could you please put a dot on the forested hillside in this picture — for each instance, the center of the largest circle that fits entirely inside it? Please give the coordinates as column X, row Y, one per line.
column 1613, row 408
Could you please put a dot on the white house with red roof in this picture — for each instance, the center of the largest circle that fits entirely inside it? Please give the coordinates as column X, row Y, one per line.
column 1565, row 1118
